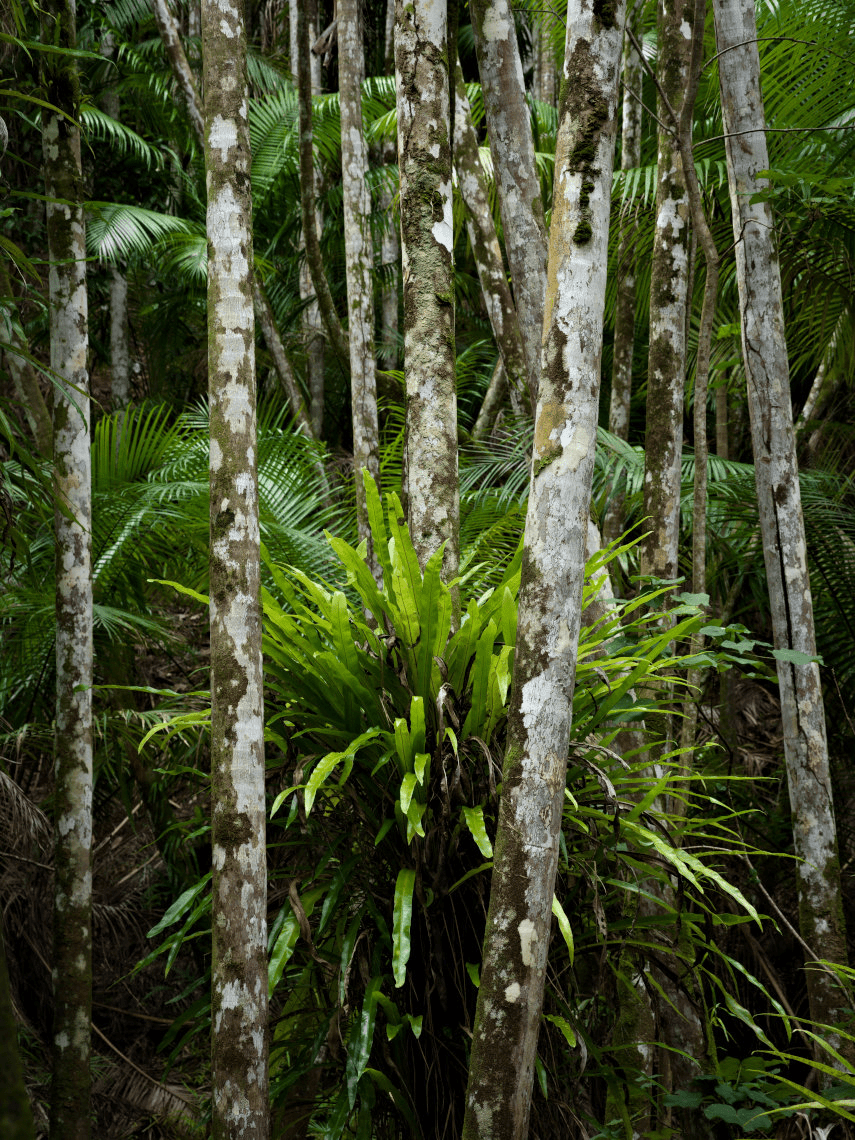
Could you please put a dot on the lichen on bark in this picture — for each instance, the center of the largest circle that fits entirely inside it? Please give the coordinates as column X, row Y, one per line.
column 239, row 916
column 427, row 239
column 779, row 506
column 512, row 147
column 526, row 850
column 72, row 923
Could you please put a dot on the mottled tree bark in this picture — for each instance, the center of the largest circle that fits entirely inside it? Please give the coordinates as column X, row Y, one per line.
column 510, row 997
column 621, row 393
column 239, row 918
column 390, row 260
column 427, row 242
column 668, row 287
column 171, row 38
column 23, row 374
column 69, row 342
column 493, row 399
column 359, row 257
column 485, row 243
column 512, row 147
column 545, row 72
column 16, row 1115
column 120, row 348
column 779, row 503
column 313, row 326
column 329, row 316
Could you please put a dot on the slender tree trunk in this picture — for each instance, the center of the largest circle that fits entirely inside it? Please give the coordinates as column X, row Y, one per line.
column 69, row 342
column 722, row 432
column 329, row 316
column 239, row 921
column 427, row 241
column 512, row 147
column 280, row 361
column 390, row 258
column 171, row 38
column 389, row 38
column 313, row 326
column 621, row 393
column 120, row 349
column 545, row 87
column 23, row 374
column 779, row 503
column 359, row 257
column 510, row 997
column 492, row 405
column 668, row 288
column 485, row 243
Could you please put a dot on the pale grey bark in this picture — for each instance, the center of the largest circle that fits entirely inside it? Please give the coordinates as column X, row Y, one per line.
column 492, row 404
column 169, row 34
column 779, row 503
column 526, row 850
column 485, row 244
column 389, row 38
column 545, row 76
column 390, row 257
column 624, row 344
column 668, row 290
column 120, row 347
column 358, row 257
column 239, row 915
column 329, row 316
column 512, row 148
column 427, row 243
column 313, row 328
column 69, row 342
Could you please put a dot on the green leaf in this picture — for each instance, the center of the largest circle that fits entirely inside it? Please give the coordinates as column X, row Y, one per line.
column 541, row 1076
column 408, row 786
column 795, row 657
column 565, row 1027
column 474, row 974
column 421, row 764
column 181, row 905
column 684, row 1098
column 361, row 1037
column 564, row 926
column 324, row 766
column 203, row 598
column 401, row 921
column 480, row 681
column 474, row 817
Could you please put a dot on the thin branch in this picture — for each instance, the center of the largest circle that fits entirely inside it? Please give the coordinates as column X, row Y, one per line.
column 771, row 131
column 785, row 39
column 644, row 107
column 158, row 1084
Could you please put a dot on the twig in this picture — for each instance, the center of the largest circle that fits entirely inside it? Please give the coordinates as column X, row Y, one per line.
column 158, row 1084
column 133, row 1013
column 785, row 39
column 24, row 859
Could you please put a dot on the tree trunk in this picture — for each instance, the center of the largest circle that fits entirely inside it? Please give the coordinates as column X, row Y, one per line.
column 510, row 997
column 359, row 258
column 668, row 288
column 280, row 361
column 621, row 393
column 239, row 919
column 169, row 34
column 329, row 316
column 427, row 241
column 512, row 147
column 485, row 243
column 69, row 343
column 120, row 349
column 23, row 374
column 494, row 398
column 779, row 502
column 390, row 261
column 545, row 64
column 313, row 326
column 722, row 432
